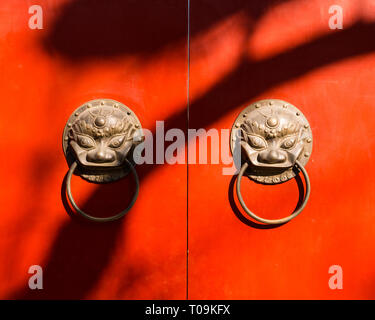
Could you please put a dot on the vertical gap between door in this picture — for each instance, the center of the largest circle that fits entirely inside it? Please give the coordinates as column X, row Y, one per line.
column 187, row 148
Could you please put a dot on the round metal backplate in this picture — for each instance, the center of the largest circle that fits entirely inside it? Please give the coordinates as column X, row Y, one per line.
column 92, row 123
column 272, row 134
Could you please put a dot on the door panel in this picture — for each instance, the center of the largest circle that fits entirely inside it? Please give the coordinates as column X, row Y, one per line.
column 124, row 50
column 284, row 50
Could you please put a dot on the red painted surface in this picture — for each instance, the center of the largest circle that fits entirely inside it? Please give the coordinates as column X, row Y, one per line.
column 241, row 51
column 288, row 53
column 43, row 79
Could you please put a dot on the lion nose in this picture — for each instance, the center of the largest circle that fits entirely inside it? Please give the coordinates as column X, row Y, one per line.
column 100, row 157
column 271, row 157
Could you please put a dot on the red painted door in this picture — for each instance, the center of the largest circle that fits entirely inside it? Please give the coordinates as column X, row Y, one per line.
column 192, row 64
column 255, row 50
column 87, row 50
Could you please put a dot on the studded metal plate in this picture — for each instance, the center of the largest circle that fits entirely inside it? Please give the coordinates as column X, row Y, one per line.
column 99, row 135
column 273, row 134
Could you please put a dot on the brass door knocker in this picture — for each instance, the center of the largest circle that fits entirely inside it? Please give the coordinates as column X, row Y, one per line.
column 276, row 143
column 98, row 142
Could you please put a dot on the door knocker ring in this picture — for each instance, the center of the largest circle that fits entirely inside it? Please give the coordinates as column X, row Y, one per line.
column 98, row 144
column 275, row 143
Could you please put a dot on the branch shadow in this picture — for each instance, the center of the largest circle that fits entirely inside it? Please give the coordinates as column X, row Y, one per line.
column 78, row 256
column 251, row 78
column 104, row 29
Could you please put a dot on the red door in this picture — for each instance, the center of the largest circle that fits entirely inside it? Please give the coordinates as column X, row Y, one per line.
column 256, row 50
column 87, row 50
column 187, row 64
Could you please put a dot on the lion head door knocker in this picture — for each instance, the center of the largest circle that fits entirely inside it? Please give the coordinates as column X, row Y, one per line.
column 98, row 142
column 275, row 141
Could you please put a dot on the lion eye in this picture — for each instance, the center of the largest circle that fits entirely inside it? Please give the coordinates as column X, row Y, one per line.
column 257, row 142
column 288, row 143
column 85, row 142
column 116, row 141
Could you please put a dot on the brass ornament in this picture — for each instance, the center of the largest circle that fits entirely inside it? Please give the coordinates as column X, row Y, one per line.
column 98, row 143
column 99, row 135
column 274, row 134
column 275, row 140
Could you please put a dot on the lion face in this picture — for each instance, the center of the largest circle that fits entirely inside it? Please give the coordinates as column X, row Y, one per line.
column 272, row 139
column 100, row 135
column 273, row 136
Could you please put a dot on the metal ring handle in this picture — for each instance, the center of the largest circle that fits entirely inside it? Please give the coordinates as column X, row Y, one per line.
column 276, row 221
column 98, row 219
